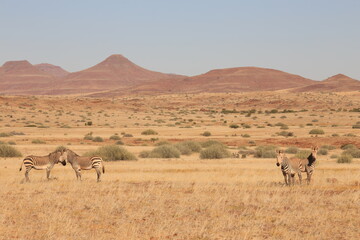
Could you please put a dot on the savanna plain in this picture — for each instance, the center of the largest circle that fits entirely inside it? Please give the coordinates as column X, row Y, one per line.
column 187, row 196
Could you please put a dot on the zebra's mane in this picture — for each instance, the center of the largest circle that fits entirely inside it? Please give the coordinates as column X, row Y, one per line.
column 72, row 152
column 311, row 159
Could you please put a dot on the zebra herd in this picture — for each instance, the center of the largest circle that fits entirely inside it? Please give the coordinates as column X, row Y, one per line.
column 62, row 156
column 290, row 167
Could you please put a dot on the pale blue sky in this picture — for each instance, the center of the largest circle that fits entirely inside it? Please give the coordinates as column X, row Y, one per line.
column 312, row 38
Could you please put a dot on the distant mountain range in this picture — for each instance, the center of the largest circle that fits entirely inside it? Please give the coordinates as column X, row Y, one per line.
column 116, row 76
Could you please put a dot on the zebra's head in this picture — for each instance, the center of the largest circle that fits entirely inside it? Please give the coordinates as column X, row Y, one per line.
column 62, row 158
column 279, row 157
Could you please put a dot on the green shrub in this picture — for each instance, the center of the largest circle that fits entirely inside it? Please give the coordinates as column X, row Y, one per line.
column 214, row 152
column 9, row 151
column 245, row 135
column 149, row 132
column 265, row 152
column 210, row 143
column 292, row 150
column 38, row 141
column 112, row 153
column 162, row 143
column 328, row 147
column 317, row 131
column 348, row 146
column 344, row 158
column 144, row 154
column 285, row 134
column 115, row 137
column 234, row 126
column 88, row 136
column 128, row 135
column 98, row 139
column 165, row 151
column 322, row 151
column 4, row 134
column 354, row 152
column 188, row 147
column 356, row 126
column 334, row 156
column 206, row 134
column 303, row 154
column 119, row 142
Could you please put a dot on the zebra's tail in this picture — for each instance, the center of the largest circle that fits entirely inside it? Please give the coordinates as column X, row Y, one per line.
column 103, row 167
column 22, row 162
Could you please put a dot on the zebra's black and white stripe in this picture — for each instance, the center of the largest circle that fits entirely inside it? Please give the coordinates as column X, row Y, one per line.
column 41, row 163
column 79, row 163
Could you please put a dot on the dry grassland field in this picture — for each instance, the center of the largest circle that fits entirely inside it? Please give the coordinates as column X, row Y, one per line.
column 241, row 196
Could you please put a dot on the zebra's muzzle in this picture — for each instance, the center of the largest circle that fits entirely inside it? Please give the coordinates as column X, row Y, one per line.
column 277, row 164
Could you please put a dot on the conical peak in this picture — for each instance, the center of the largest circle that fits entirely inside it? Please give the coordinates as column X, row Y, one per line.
column 116, row 59
column 338, row 77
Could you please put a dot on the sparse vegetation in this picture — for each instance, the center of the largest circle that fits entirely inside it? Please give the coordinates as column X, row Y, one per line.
column 206, row 134
column 317, row 131
column 215, row 151
column 163, row 151
column 292, row 150
column 344, row 158
column 9, row 151
column 265, row 152
column 149, row 132
column 112, row 153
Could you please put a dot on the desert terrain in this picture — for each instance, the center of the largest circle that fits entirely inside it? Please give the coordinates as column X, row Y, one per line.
column 237, row 197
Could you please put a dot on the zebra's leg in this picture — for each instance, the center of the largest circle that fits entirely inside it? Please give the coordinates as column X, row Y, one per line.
column 285, row 178
column 300, row 177
column 27, row 174
column 98, row 171
column 48, row 169
column 292, row 179
column 79, row 174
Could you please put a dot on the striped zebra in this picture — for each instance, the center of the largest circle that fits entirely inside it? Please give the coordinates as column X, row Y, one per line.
column 288, row 168
column 308, row 165
column 41, row 163
column 79, row 163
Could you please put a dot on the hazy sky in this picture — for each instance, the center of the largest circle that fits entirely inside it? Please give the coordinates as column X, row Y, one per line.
column 312, row 38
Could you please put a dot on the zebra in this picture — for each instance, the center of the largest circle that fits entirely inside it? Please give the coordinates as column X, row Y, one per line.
column 79, row 163
column 42, row 162
column 308, row 165
column 288, row 168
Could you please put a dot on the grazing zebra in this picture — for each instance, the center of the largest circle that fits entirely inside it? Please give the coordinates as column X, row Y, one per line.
column 288, row 168
column 79, row 163
column 42, row 162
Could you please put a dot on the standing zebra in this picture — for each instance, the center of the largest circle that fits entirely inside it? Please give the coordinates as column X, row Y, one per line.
column 79, row 163
column 42, row 162
column 308, row 165
column 288, row 168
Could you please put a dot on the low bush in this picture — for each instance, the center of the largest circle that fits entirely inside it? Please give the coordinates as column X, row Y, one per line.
column 348, row 146
column 328, row 147
column 354, row 152
column 265, row 152
column 206, row 134
column 292, row 150
column 317, row 131
column 210, row 143
column 38, row 141
column 356, row 126
column 165, row 151
column 162, row 143
column 149, row 132
column 302, row 154
column 9, row 151
column 285, row 134
column 112, row 153
column 214, row 152
column 323, row 151
column 188, row 147
column 98, row 139
column 344, row 158
column 234, row 126
column 115, row 137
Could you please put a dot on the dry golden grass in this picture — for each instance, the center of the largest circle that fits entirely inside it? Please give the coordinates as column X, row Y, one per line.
column 181, row 199
column 186, row 198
